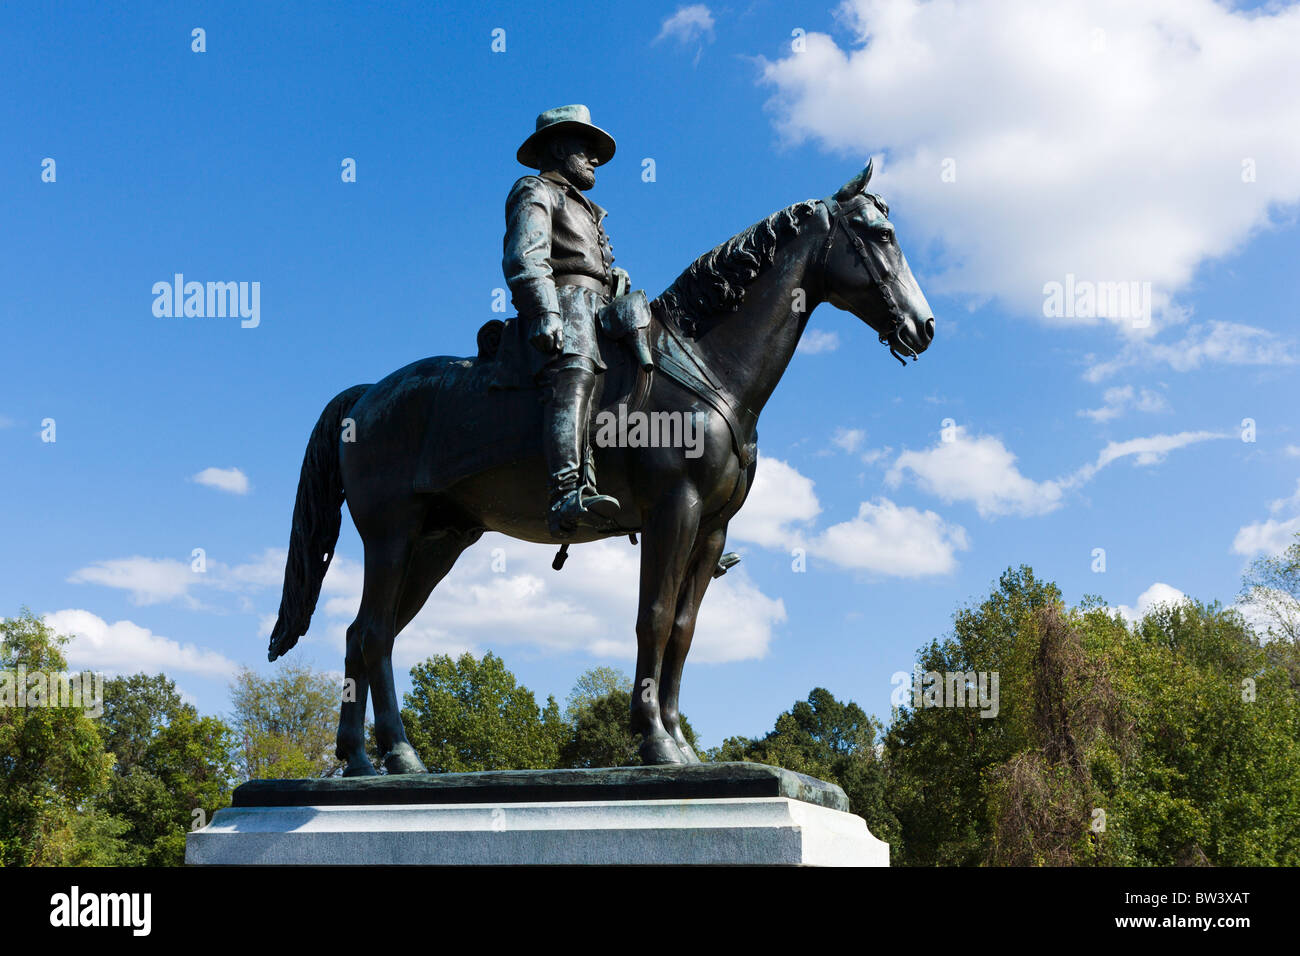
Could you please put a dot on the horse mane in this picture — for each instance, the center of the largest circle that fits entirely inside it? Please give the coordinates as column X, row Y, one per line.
column 714, row 283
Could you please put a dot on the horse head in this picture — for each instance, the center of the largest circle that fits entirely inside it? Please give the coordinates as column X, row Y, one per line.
column 865, row 272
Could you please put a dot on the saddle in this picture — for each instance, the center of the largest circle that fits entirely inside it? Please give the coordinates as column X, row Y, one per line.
column 488, row 409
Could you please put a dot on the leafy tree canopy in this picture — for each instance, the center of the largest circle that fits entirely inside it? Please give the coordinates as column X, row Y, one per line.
column 467, row 714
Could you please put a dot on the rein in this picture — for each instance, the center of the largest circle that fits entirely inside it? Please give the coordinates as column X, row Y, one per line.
column 838, row 213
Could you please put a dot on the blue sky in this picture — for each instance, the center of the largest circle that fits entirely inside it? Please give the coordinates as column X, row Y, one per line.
column 1148, row 142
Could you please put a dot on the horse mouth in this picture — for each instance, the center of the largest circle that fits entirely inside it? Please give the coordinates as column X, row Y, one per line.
column 902, row 343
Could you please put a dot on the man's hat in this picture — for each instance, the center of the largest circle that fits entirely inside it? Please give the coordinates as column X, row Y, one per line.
column 564, row 119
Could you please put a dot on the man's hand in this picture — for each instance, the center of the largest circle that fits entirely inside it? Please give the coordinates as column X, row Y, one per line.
column 547, row 333
column 622, row 282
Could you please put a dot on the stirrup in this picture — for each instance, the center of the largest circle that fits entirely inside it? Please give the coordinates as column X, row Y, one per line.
column 604, row 506
column 571, row 510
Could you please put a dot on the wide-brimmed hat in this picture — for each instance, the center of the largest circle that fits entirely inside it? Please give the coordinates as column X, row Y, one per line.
column 575, row 118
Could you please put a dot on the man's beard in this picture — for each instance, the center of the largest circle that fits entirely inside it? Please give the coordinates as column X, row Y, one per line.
column 578, row 174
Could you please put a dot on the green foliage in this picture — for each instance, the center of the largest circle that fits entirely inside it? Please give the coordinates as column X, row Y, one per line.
column 1216, row 777
column 599, row 731
column 1171, row 743
column 832, row 741
column 285, row 724
column 600, row 734
column 170, row 763
column 52, row 764
column 594, row 684
column 468, row 715
column 938, row 757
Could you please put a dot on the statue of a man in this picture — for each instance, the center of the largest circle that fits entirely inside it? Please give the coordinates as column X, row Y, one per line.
column 559, row 266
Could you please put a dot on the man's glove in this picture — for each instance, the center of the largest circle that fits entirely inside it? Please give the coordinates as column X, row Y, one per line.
column 547, row 333
column 622, row 282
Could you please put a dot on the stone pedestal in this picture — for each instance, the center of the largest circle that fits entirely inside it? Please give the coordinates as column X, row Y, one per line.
column 702, row 814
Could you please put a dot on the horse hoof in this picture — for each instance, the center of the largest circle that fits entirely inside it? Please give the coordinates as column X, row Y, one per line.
column 403, row 759
column 688, row 752
column 659, row 751
column 362, row 769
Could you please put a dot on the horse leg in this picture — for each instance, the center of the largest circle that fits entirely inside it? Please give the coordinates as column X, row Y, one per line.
column 387, row 563
column 351, row 741
column 707, row 552
column 667, row 540
column 429, row 565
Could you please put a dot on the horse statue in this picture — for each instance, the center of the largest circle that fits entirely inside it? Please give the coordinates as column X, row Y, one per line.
column 721, row 337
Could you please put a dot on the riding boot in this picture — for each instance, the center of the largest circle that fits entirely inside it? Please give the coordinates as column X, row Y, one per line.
column 565, row 419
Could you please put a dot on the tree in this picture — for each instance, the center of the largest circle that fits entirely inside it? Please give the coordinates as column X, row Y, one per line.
column 937, row 758
column 832, row 741
column 1270, row 593
column 1272, row 588
column 285, row 724
column 592, row 685
column 1215, row 775
column 52, row 762
column 1172, row 742
column 468, row 715
column 170, row 763
column 1043, row 801
column 600, row 731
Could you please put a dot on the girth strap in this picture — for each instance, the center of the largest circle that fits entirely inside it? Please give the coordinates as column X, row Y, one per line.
column 705, row 385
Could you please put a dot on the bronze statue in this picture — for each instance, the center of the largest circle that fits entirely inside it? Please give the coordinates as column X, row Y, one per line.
column 447, row 448
column 558, row 264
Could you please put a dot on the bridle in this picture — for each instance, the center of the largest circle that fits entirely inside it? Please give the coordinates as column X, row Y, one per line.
column 839, row 214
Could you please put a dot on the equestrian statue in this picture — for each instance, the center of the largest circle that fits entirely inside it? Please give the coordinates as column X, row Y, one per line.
column 440, row 451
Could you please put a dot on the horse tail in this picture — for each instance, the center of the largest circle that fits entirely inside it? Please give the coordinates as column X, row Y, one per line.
column 317, row 515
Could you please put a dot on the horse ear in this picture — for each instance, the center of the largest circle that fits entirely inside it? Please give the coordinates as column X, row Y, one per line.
column 855, row 185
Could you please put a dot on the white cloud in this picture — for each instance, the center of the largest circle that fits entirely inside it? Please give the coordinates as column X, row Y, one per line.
column 1266, row 537
column 1116, row 401
column 816, row 341
column 980, row 470
column 124, row 647
column 736, row 620
column 150, row 580
column 264, row 571
column 1281, row 504
column 224, row 479
column 887, row 539
column 882, row 537
column 1154, row 596
column 164, row 580
column 1150, row 450
column 1273, row 535
column 589, row 607
column 780, row 502
column 1108, row 139
column 1223, row 343
column 848, row 439
column 688, row 24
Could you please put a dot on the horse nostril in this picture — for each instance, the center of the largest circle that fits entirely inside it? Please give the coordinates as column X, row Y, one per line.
column 929, row 329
